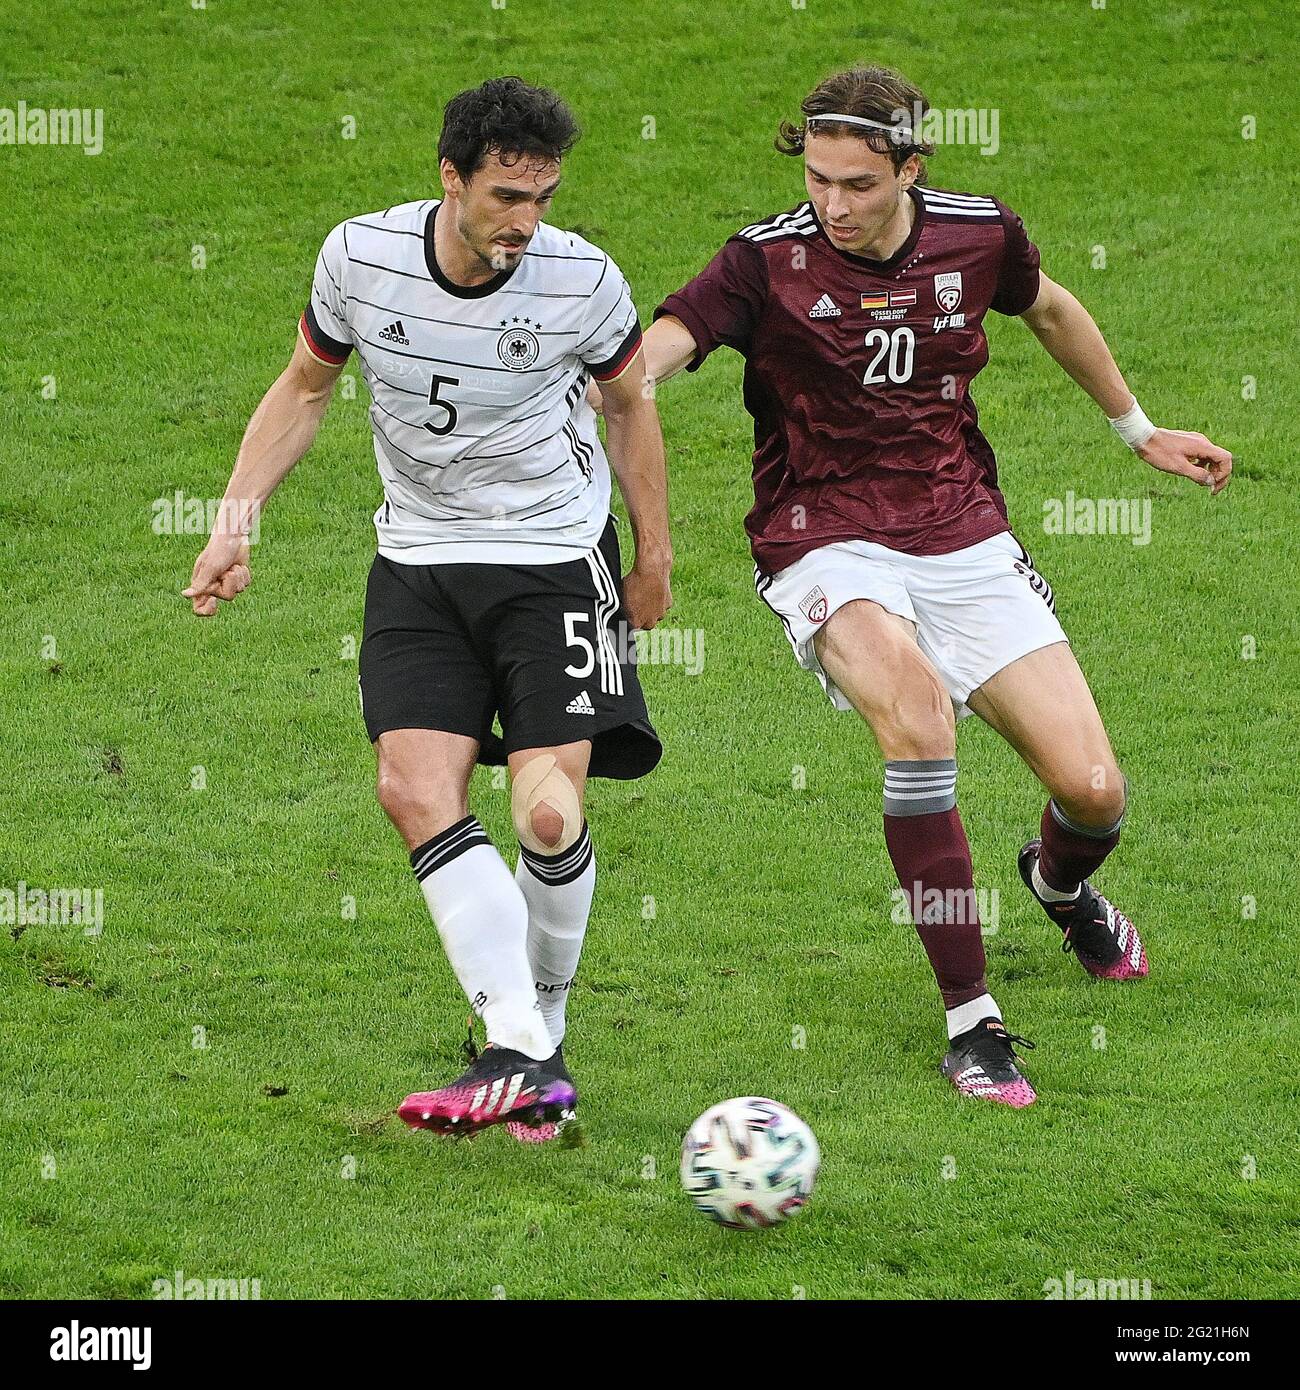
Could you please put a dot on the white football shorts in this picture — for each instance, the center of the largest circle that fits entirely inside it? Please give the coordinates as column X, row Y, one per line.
column 974, row 610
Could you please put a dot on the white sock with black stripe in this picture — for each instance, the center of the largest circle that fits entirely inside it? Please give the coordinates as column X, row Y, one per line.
column 482, row 919
column 558, row 889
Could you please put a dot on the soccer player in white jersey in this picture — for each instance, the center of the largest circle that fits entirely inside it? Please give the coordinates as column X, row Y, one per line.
column 496, row 591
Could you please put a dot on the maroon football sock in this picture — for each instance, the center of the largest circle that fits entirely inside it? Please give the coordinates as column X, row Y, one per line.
column 931, row 857
column 1070, row 852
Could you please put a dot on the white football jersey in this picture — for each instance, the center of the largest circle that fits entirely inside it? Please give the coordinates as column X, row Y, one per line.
column 486, row 446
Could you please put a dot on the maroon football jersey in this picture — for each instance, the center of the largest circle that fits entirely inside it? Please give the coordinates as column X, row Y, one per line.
column 858, row 373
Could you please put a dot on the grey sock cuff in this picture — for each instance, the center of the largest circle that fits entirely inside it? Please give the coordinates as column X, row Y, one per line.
column 1090, row 832
column 920, row 786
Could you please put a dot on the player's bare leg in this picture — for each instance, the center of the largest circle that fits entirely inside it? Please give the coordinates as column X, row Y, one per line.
column 556, row 870
column 1042, row 706
column 873, row 657
column 482, row 919
column 556, row 873
column 422, row 780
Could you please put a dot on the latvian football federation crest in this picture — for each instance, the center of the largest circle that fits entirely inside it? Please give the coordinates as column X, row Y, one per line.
column 947, row 290
column 813, row 605
column 517, row 348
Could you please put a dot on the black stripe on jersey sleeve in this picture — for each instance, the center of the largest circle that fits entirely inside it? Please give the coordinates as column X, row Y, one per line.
column 326, row 348
column 615, row 365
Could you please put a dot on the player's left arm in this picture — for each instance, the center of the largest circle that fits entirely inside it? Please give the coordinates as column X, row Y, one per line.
column 1070, row 334
column 635, row 445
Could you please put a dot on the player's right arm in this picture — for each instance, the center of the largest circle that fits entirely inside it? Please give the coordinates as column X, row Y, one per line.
column 668, row 346
column 720, row 307
column 280, row 432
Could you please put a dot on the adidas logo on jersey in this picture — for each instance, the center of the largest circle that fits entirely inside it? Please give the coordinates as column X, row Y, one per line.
column 581, row 705
column 395, row 333
column 824, row 309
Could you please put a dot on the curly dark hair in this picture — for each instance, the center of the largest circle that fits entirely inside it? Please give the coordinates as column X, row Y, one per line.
column 506, row 117
column 874, row 92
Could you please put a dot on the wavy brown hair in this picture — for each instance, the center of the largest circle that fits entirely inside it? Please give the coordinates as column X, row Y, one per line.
column 506, row 117
column 874, row 92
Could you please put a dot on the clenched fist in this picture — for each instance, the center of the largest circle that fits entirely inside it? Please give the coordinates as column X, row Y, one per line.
column 220, row 572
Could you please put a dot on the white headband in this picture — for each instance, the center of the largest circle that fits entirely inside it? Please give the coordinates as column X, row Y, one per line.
column 901, row 133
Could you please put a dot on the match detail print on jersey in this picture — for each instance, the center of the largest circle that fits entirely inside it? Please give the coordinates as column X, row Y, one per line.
column 485, row 444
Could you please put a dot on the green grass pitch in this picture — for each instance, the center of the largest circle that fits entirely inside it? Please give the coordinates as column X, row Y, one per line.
column 1164, row 1143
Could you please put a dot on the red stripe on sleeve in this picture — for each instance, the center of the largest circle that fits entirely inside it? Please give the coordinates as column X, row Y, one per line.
column 324, row 354
column 610, row 370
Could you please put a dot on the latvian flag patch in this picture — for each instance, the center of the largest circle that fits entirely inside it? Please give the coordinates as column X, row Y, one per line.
column 889, row 299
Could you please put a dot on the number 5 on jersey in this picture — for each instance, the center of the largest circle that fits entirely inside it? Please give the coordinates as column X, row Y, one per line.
column 450, row 423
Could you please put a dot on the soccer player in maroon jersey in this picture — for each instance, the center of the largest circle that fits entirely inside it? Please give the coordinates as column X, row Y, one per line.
column 880, row 538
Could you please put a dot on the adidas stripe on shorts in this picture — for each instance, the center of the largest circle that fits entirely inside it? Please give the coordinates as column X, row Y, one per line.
column 975, row 610
column 543, row 648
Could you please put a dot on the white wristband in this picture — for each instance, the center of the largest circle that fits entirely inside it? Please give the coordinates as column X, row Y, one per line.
column 1133, row 427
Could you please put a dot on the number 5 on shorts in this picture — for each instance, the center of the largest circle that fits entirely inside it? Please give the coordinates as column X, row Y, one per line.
column 573, row 639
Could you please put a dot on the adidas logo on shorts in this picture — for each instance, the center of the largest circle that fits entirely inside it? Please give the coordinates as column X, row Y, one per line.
column 395, row 333
column 580, row 705
column 824, row 309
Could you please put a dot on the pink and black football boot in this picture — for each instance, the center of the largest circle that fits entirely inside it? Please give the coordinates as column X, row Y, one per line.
column 499, row 1086
column 534, row 1130
column 982, row 1063
column 1103, row 940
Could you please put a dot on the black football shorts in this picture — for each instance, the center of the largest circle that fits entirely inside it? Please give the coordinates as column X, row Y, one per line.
column 544, row 648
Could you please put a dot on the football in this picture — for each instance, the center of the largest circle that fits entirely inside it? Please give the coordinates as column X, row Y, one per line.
column 749, row 1163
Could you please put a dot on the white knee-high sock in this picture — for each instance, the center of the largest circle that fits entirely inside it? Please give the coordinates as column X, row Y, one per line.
column 482, row 919
column 558, row 889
